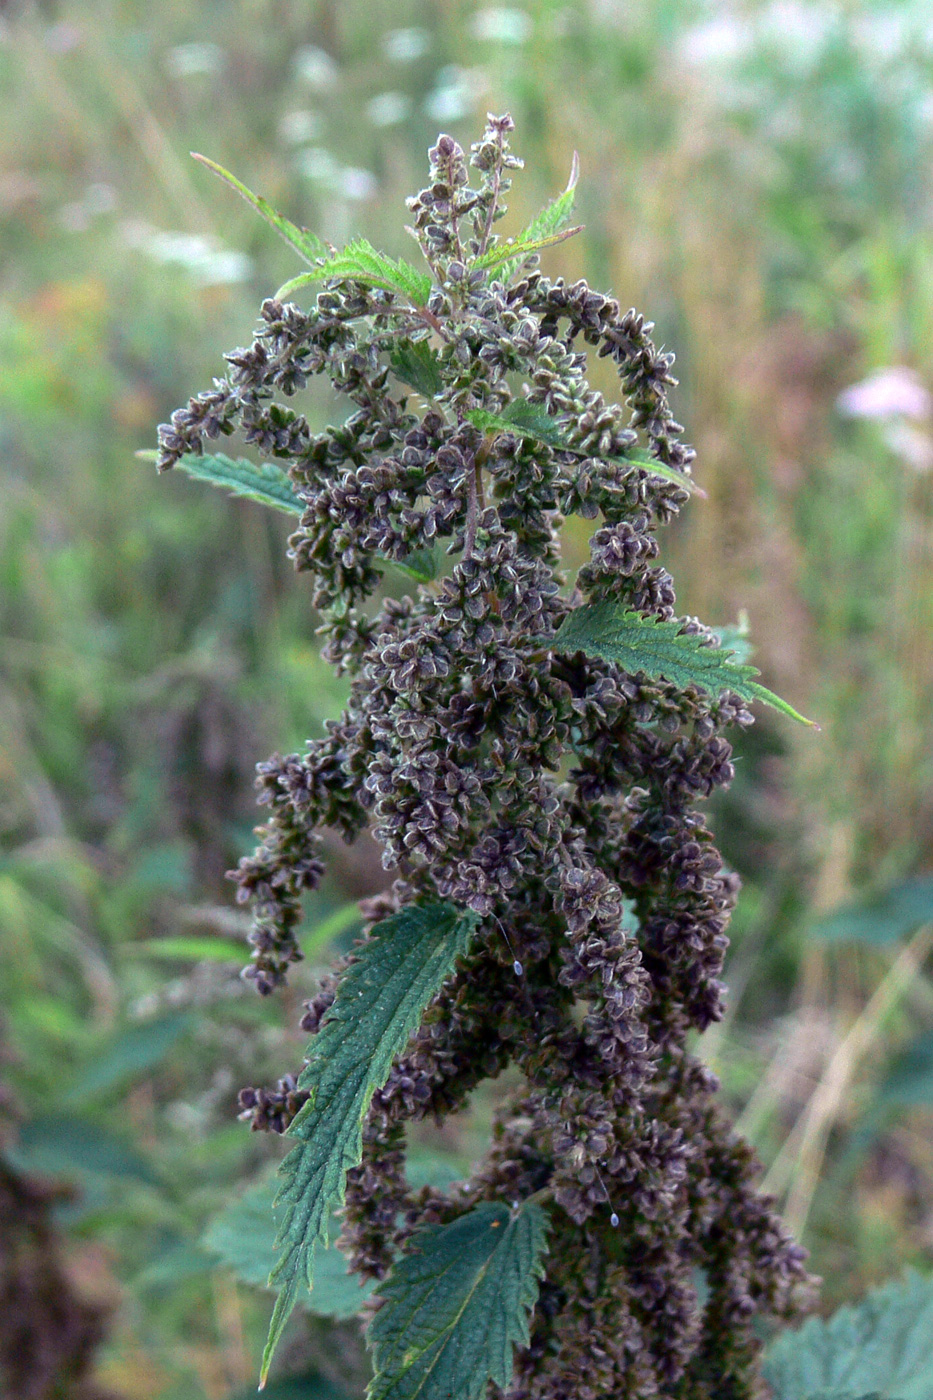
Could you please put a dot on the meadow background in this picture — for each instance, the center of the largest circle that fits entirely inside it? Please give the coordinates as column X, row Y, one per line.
column 757, row 178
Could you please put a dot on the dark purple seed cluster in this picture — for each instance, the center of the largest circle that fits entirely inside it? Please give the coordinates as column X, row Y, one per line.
column 555, row 796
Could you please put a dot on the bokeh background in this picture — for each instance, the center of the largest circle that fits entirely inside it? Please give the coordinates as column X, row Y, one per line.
column 757, row 178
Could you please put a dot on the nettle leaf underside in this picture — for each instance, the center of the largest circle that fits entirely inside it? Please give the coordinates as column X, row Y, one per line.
column 417, row 365
column 880, row 1346
column 658, row 649
column 379, row 1004
column 457, row 1304
column 263, row 482
column 360, row 262
column 270, row 486
column 528, row 420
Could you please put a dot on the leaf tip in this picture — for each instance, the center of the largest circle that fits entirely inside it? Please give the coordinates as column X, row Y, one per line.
column 280, row 1315
column 760, row 692
column 801, row 719
column 217, row 169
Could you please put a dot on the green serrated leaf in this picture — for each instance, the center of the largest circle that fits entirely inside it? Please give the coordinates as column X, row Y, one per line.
column 517, row 249
column 882, row 1344
column 525, row 420
column 528, row 420
column 421, row 564
column 360, row 262
column 645, row 463
column 551, row 219
column 883, row 919
column 659, row 650
column 264, row 483
column 457, row 1304
column 535, row 422
column 269, row 486
column 379, row 1005
column 416, row 364
column 493, row 423
column 243, row 1235
column 306, row 244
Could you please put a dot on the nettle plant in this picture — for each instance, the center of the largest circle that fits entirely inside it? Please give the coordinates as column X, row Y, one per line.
column 533, row 759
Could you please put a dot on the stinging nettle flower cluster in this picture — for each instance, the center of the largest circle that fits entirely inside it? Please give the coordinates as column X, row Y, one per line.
column 533, row 759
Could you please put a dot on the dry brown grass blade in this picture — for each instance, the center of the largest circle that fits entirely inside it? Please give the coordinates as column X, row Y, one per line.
column 797, row 1166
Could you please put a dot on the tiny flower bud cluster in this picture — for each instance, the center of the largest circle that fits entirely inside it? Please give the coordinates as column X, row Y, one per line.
column 555, row 796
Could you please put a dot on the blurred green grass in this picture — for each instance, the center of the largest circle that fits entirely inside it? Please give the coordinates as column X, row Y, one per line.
column 757, row 180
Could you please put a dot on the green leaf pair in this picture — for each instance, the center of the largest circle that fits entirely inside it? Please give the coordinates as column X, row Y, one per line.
column 359, row 261
column 458, row 1301
column 379, row 1004
column 637, row 643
